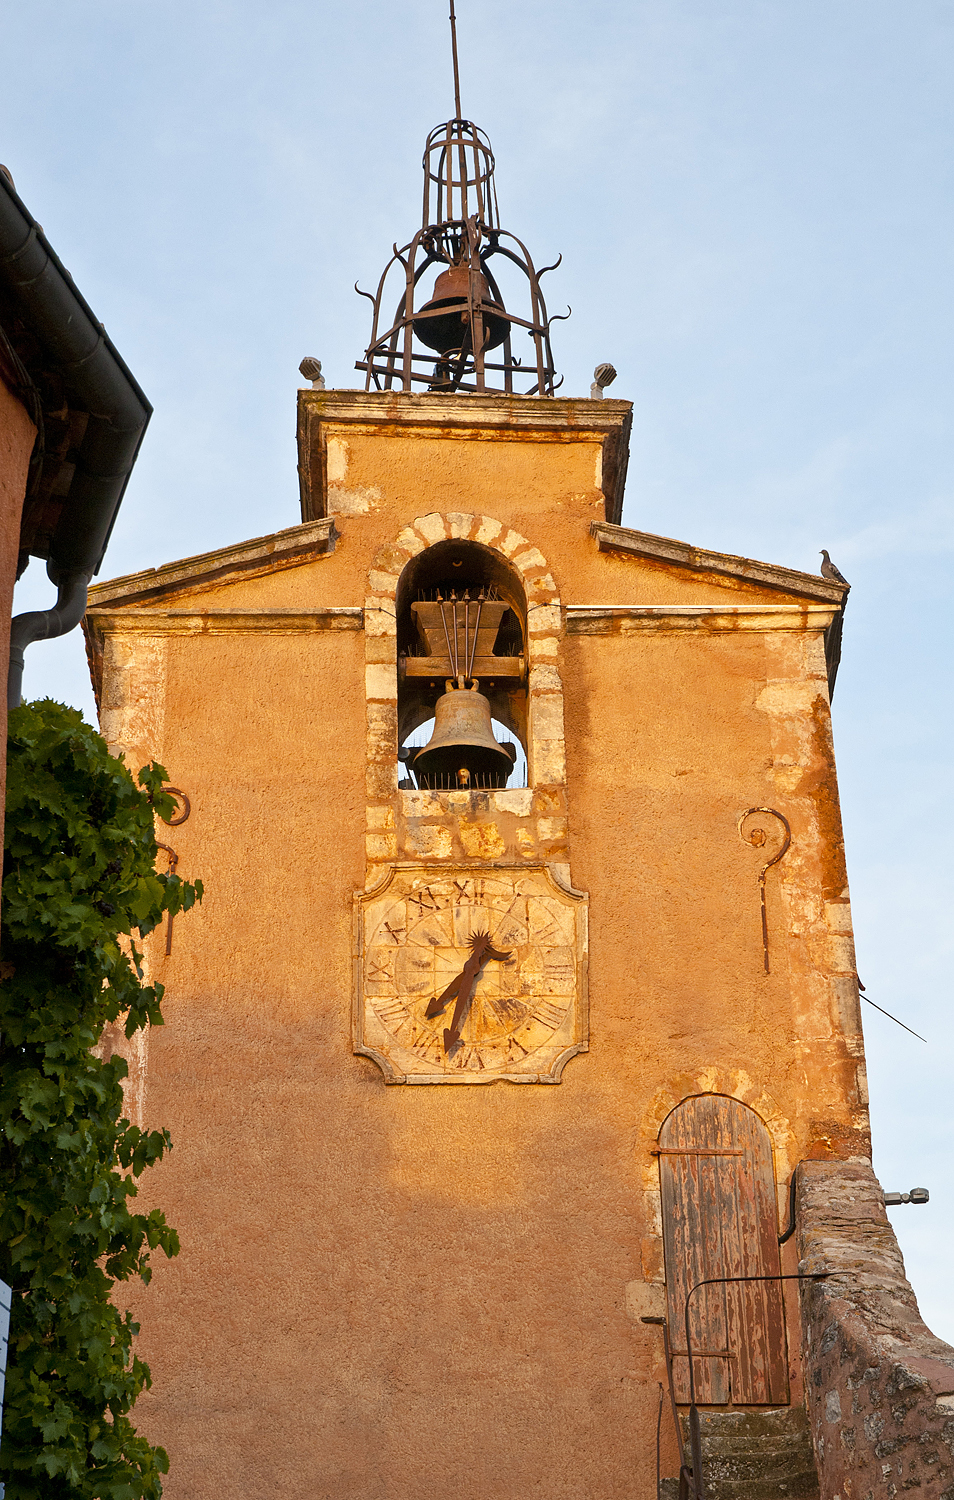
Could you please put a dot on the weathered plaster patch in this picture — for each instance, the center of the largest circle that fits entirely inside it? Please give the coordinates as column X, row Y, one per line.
column 482, row 840
column 355, row 502
column 336, row 460
column 645, row 1299
column 132, row 712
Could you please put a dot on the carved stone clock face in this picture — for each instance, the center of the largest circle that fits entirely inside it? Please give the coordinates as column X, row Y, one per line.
column 465, row 976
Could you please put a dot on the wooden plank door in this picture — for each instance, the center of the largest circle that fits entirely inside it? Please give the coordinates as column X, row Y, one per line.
column 720, row 1219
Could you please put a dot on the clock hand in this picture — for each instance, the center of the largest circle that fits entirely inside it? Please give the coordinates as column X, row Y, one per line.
column 463, row 988
column 465, row 997
column 461, row 1011
column 471, row 968
column 440, row 1002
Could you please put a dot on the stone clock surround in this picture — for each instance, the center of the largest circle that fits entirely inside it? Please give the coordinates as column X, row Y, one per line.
column 505, row 827
column 529, row 1014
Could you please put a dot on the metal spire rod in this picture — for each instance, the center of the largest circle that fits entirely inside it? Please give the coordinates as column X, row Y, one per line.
column 453, row 21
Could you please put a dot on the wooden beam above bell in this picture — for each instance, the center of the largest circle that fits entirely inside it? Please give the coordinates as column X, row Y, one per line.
column 486, row 668
column 459, row 636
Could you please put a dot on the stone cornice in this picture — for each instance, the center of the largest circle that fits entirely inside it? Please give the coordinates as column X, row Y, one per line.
column 222, row 621
column 545, row 419
column 587, row 619
column 665, row 550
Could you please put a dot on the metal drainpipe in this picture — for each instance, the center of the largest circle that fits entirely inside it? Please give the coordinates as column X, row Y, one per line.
column 43, row 625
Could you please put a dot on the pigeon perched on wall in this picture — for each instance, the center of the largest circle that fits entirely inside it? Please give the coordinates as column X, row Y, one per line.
column 829, row 570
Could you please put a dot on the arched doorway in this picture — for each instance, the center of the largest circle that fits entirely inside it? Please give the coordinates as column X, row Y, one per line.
column 720, row 1219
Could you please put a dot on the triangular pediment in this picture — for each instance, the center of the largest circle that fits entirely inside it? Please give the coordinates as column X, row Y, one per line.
column 721, row 567
column 289, row 548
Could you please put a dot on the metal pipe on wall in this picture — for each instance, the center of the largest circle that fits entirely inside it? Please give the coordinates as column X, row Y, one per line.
column 43, row 625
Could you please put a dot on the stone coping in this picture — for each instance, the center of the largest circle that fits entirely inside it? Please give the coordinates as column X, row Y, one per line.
column 264, row 554
column 666, row 549
column 612, row 619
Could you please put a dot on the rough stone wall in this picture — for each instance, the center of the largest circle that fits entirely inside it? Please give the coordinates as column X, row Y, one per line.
column 880, row 1386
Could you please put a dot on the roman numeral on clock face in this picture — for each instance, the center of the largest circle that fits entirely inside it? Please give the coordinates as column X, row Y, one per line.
column 392, row 1014
column 548, row 1014
column 424, row 1041
column 428, row 900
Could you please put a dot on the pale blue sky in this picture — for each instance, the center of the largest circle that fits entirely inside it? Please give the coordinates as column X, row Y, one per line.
column 754, row 205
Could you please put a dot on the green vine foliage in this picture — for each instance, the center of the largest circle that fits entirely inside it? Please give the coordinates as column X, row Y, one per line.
column 79, row 880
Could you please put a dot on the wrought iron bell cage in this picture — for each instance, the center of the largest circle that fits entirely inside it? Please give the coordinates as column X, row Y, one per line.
column 465, row 321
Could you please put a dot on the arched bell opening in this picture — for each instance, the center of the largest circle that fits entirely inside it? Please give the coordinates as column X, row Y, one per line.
column 461, row 640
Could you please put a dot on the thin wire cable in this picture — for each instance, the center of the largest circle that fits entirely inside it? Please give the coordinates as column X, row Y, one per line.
column 895, row 1020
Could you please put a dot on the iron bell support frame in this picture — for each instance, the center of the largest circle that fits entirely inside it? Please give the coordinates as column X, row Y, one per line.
column 465, row 319
column 460, row 232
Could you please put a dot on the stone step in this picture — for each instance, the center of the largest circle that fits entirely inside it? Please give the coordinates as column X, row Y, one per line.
column 754, row 1455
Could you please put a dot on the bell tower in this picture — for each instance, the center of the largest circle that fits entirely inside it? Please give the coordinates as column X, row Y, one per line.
column 521, row 1015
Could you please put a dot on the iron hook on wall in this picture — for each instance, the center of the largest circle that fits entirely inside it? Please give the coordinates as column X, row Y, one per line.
column 179, row 816
column 757, row 838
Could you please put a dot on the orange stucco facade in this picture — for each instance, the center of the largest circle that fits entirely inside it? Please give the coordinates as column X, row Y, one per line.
column 401, row 1291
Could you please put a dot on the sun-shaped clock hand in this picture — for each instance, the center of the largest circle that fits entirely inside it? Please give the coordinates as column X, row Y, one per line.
column 463, row 988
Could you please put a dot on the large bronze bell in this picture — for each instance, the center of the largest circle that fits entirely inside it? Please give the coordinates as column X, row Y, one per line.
column 450, row 330
column 462, row 752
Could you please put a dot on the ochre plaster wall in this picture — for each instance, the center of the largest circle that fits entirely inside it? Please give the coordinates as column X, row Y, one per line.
column 17, row 436
column 404, row 1292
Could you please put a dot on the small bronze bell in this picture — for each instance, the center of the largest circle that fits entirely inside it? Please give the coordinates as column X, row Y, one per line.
column 450, row 330
column 462, row 751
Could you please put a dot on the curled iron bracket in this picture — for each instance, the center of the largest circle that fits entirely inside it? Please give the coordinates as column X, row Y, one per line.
column 185, row 808
column 177, row 819
column 756, row 837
